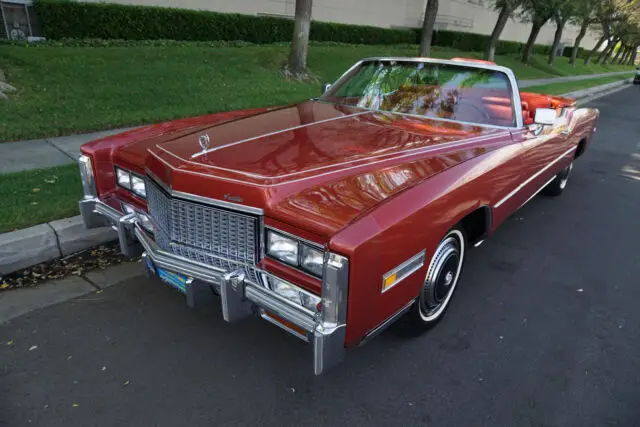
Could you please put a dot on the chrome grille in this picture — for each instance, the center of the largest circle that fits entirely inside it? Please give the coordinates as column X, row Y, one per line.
column 207, row 234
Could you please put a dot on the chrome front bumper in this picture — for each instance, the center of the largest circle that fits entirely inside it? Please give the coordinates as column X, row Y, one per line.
column 239, row 297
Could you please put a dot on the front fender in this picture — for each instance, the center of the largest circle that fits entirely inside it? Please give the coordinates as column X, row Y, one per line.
column 397, row 230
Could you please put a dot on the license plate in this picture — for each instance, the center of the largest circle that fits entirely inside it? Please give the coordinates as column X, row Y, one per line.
column 178, row 281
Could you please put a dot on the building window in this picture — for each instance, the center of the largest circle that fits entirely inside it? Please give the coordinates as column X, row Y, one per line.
column 18, row 22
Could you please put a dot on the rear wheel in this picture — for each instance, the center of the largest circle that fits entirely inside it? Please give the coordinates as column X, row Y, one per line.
column 557, row 186
column 440, row 282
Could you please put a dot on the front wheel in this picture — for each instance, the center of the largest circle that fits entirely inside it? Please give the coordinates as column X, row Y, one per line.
column 440, row 282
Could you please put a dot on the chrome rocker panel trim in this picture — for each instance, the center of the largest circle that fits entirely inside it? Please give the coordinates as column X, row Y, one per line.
column 239, row 297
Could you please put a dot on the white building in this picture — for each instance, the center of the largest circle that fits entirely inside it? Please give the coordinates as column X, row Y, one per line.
column 474, row 16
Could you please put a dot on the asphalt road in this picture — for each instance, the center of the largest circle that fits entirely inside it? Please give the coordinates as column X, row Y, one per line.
column 544, row 331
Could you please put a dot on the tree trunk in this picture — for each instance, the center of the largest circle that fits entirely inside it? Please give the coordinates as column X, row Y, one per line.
column 622, row 48
column 622, row 56
column 595, row 49
column 625, row 56
column 556, row 41
column 634, row 52
column 300, row 43
column 528, row 49
column 609, row 55
column 430, row 13
column 503, row 17
column 576, row 44
column 605, row 53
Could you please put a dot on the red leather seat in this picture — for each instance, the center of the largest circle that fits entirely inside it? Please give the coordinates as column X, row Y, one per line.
column 499, row 109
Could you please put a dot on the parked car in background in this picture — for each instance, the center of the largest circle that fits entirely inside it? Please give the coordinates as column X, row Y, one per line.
column 636, row 77
column 334, row 217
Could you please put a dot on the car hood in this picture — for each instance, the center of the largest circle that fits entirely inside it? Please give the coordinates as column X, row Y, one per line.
column 315, row 165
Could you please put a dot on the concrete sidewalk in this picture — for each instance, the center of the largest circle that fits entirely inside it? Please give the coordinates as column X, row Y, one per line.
column 536, row 82
column 49, row 152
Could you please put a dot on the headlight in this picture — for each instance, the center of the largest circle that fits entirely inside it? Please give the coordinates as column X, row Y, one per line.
column 138, row 186
column 294, row 294
column 142, row 217
column 312, row 260
column 145, row 221
column 124, row 178
column 128, row 209
column 282, row 248
column 86, row 174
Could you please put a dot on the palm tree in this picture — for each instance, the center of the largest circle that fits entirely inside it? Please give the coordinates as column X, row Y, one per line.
column 506, row 9
column 430, row 12
column 297, row 66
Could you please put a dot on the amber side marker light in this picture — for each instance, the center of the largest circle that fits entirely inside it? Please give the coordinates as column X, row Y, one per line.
column 389, row 281
column 284, row 323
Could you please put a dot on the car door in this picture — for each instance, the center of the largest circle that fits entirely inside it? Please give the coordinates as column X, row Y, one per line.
column 546, row 149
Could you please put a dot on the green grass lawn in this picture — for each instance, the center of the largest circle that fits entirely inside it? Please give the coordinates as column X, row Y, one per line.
column 37, row 196
column 63, row 90
column 558, row 88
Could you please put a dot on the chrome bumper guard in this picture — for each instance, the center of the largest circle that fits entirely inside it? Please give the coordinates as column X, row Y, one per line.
column 239, row 297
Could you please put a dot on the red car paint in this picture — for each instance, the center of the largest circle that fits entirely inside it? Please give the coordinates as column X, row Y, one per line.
column 376, row 187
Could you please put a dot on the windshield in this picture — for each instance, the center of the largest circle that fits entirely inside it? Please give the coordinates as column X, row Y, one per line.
column 455, row 92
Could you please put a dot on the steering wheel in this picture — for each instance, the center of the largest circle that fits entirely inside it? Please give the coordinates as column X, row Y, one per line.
column 473, row 112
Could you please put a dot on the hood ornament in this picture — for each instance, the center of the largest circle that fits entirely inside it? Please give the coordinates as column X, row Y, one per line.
column 204, row 141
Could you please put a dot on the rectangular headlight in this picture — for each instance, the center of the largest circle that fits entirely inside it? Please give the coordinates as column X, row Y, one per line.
column 87, row 176
column 123, row 178
column 295, row 294
column 138, row 186
column 282, row 248
column 312, row 260
column 145, row 221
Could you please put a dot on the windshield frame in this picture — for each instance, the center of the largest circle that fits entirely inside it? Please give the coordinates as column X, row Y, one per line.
column 511, row 78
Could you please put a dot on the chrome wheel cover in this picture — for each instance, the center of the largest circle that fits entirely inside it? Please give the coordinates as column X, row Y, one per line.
column 564, row 176
column 442, row 276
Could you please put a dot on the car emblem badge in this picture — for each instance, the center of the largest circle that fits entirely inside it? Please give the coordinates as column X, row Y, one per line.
column 204, row 141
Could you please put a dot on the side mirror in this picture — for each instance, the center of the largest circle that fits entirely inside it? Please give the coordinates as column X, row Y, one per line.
column 545, row 116
column 326, row 87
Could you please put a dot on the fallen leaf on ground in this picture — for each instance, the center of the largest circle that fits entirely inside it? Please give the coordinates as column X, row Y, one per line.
column 33, row 347
column 75, row 405
column 99, row 257
column 34, row 203
column 35, row 190
column 51, row 180
column 10, row 342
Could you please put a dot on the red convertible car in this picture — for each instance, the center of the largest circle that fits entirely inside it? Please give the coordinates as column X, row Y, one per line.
column 334, row 217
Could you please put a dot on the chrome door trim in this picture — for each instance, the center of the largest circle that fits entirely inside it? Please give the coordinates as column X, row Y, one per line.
column 534, row 176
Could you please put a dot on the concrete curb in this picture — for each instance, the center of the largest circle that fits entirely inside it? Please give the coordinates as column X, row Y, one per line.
column 605, row 89
column 25, row 248
column 45, row 242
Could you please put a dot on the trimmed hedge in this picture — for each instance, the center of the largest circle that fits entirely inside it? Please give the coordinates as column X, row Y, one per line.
column 69, row 19
column 474, row 42
column 64, row 19
column 569, row 49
